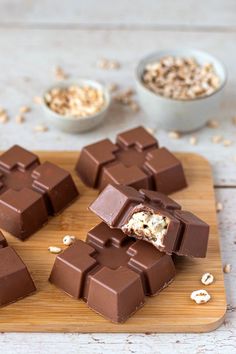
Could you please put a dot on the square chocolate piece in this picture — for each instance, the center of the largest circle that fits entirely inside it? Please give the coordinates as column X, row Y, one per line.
column 15, row 280
column 112, row 272
column 135, row 160
column 30, row 192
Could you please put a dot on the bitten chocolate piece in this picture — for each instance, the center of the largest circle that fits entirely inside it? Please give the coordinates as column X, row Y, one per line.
column 112, row 272
column 154, row 217
column 135, row 160
column 30, row 192
column 15, row 280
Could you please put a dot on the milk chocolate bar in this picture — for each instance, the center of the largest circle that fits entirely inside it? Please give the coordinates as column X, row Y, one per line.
column 135, row 160
column 30, row 192
column 153, row 217
column 112, row 272
column 15, row 280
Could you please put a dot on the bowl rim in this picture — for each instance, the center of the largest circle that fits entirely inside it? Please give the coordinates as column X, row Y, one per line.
column 78, row 81
column 174, row 52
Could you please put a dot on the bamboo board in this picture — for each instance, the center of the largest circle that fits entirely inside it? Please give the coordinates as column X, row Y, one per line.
column 50, row 310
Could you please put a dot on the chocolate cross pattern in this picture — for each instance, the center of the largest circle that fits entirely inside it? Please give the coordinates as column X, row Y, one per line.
column 135, row 160
column 30, row 192
column 112, row 272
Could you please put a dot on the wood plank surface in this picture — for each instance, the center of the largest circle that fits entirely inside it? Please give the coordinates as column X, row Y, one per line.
column 132, row 13
column 51, row 310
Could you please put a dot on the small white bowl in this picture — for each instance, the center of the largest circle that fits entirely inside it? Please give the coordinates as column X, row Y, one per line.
column 179, row 115
column 72, row 124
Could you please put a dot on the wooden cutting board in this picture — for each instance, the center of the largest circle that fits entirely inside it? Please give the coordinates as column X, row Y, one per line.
column 50, row 310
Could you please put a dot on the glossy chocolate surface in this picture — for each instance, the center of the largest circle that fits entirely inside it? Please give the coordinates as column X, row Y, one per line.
column 15, row 280
column 186, row 234
column 112, row 272
column 30, row 192
column 134, row 160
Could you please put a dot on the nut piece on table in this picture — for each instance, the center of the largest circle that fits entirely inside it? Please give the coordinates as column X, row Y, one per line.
column 54, row 249
column 227, row 268
column 200, row 296
column 207, row 278
column 68, row 240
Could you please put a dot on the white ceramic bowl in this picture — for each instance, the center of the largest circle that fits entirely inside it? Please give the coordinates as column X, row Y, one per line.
column 179, row 115
column 71, row 124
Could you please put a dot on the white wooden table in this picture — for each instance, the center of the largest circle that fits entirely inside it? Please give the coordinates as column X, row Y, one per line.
column 36, row 36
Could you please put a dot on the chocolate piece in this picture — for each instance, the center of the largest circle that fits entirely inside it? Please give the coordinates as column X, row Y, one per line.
column 30, row 192
column 15, row 280
column 153, row 217
column 112, row 272
column 135, row 160
column 195, row 234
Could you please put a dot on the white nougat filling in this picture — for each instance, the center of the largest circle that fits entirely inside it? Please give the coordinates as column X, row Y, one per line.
column 148, row 225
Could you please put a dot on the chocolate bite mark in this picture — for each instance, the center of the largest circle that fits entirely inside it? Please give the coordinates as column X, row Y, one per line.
column 133, row 161
column 112, row 272
column 30, row 191
column 148, row 225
